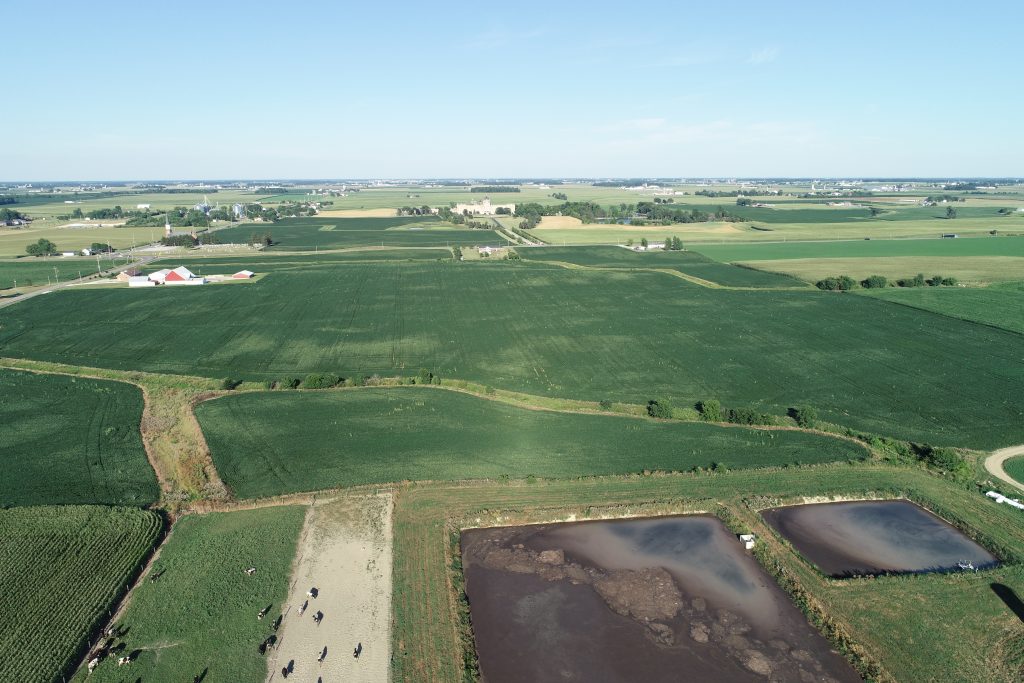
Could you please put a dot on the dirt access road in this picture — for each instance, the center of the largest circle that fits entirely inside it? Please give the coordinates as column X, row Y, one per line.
column 345, row 554
column 994, row 464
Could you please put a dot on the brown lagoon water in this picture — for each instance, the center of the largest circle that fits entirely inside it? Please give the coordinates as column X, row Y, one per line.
column 875, row 537
column 663, row 599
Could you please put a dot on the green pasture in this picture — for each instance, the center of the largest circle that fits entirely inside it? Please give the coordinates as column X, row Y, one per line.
column 307, row 234
column 198, row 618
column 775, row 251
column 71, row 440
column 553, row 331
column 61, row 571
column 363, row 436
column 999, row 305
column 687, row 262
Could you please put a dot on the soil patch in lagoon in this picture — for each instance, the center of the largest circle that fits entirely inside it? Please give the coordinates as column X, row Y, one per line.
column 875, row 537
column 662, row 599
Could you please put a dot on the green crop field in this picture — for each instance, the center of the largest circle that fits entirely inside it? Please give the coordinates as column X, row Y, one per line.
column 1000, row 305
column 28, row 272
column 687, row 262
column 199, row 618
column 363, row 436
column 1015, row 468
column 928, row 627
column 307, row 234
column 560, row 332
column 61, row 569
column 71, row 440
column 266, row 262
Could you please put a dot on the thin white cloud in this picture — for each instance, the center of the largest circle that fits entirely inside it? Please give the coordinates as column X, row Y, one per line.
column 764, row 55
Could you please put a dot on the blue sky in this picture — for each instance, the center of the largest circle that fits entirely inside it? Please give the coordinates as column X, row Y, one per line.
column 118, row 90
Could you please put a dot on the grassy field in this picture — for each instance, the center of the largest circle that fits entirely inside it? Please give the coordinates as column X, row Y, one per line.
column 363, row 436
column 307, row 234
column 687, row 262
column 71, row 440
column 199, row 617
column 972, row 270
column 67, row 238
column 1000, row 305
column 553, row 331
column 1015, row 468
column 849, row 249
column 61, row 569
column 921, row 628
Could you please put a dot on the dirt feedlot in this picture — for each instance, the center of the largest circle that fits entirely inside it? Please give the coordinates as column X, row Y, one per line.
column 345, row 555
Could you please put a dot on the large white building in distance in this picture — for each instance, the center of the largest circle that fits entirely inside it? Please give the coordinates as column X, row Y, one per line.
column 484, row 208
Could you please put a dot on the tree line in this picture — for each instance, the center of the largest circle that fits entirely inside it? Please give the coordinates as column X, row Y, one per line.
column 842, row 283
column 488, row 189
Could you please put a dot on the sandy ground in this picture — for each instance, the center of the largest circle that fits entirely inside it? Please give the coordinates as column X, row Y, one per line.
column 357, row 213
column 994, row 464
column 345, row 553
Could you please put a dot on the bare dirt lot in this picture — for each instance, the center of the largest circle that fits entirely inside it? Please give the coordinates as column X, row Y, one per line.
column 345, row 555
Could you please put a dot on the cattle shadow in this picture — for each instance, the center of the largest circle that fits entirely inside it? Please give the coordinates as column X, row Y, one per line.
column 201, row 677
column 1009, row 598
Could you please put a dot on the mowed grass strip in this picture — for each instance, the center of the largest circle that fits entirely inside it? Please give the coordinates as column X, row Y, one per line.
column 551, row 331
column 61, row 569
column 199, row 617
column 1000, row 305
column 921, row 627
column 268, row 443
column 71, row 440
column 307, row 234
column 688, row 262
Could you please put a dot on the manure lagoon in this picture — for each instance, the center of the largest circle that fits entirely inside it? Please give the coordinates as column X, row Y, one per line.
column 659, row 599
column 875, row 537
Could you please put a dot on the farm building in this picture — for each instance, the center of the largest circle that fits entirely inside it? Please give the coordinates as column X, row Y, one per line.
column 124, row 275
column 179, row 276
column 484, row 208
column 243, row 275
column 139, row 281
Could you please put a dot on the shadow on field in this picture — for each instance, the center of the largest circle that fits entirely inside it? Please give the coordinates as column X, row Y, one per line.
column 1009, row 597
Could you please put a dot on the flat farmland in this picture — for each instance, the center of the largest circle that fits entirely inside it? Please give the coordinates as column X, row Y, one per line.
column 72, row 440
column 73, row 238
column 198, row 618
column 29, row 272
column 363, row 436
column 307, row 234
column 552, row 331
column 687, row 262
column 271, row 261
column 1000, row 305
column 61, row 570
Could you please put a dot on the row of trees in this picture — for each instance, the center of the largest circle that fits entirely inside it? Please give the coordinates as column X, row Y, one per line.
column 316, row 380
column 10, row 214
column 844, row 283
column 711, row 410
column 42, row 247
column 492, row 189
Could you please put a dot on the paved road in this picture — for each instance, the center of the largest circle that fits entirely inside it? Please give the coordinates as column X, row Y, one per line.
column 53, row 288
column 994, row 464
